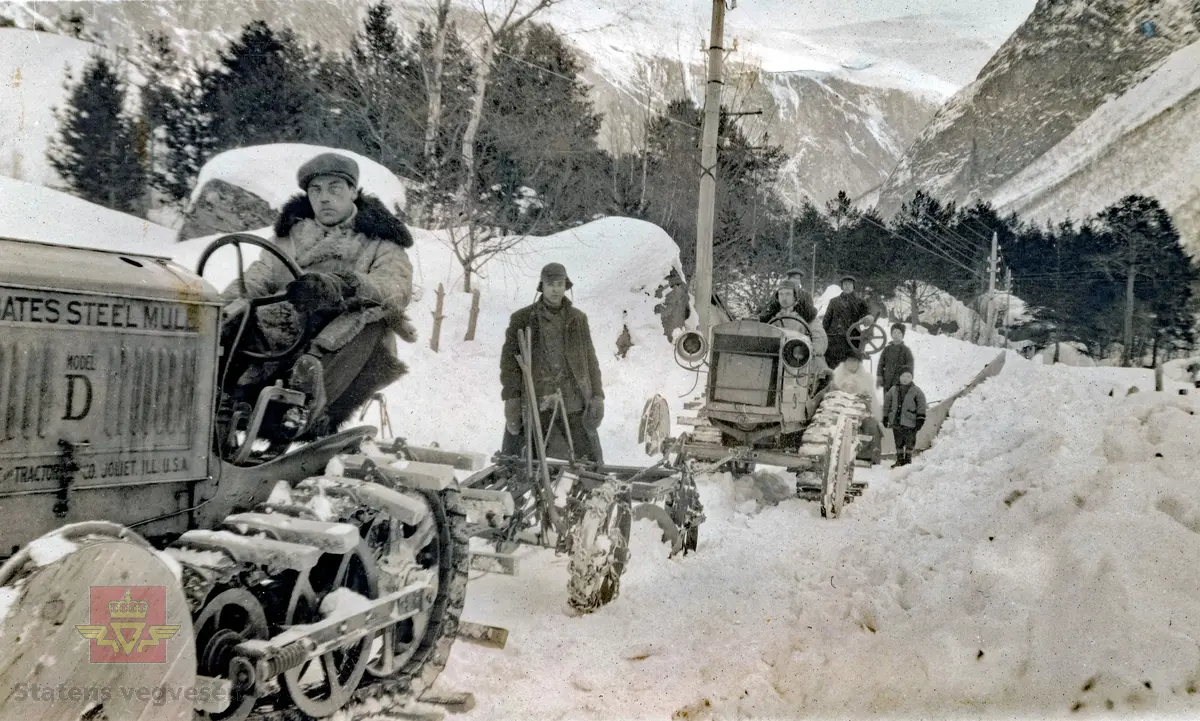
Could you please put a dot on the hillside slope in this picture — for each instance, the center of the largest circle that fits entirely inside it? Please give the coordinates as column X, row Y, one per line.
column 33, row 67
column 1064, row 62
column 1144, row 141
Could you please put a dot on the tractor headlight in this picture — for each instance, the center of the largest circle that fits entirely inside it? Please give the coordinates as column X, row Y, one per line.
column 691, row 347
column 797, row 352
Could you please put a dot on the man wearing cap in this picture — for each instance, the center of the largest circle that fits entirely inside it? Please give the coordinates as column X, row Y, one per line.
column 564, row 361
column 351, row 297
column 844, row 312
column 803, row 305
column 896, row 357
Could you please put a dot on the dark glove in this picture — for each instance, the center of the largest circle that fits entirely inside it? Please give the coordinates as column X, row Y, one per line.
column 512, row 416
column 594, row 413
column 920, row 422
column 887, row 423
column 317, row 292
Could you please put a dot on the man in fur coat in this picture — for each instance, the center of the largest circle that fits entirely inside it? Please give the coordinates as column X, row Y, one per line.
column 564, row 361
column 351, row 297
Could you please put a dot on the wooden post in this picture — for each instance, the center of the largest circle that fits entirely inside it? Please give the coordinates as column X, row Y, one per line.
column 708, row 167
column 1158, row 376
column 437, row 319
column 474, row 315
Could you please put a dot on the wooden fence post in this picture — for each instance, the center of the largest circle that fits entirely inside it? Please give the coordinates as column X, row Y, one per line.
column 474, row 315
column 1158, row 377
column 437, row 319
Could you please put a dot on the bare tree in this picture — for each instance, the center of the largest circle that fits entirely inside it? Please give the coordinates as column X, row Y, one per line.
column 920, row 297
column 498, row 24
column 474, row 244
column 434, row 72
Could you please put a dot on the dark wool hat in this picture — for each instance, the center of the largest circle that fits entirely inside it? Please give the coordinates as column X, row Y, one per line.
column 328, row 164
column 795, row 271
column 900, row 327
column 788, row 284
column 848, row 278
column 552, row 272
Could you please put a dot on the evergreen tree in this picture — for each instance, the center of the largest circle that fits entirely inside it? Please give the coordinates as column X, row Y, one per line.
column 263, row 90
column 95, row 152
column 539, row 131
column 376, row 93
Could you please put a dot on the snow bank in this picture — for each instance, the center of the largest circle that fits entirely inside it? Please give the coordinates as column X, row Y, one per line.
column 269, row 171
column 617, row 265
column 34, row 212
column 33, row 68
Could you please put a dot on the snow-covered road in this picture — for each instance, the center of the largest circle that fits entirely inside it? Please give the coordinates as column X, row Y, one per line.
column 1041, row 557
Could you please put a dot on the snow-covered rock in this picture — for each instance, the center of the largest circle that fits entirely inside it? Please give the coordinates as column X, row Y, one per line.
column 268, row 174
column 1142, row 141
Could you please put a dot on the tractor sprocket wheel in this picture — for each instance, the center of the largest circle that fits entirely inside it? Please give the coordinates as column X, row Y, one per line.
column 321, row 686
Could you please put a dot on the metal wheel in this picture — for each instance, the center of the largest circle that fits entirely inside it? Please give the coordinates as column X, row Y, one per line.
column 404, row 554
column 231, row 617
column 321, row 686
column 600, row 547
column 868, row 341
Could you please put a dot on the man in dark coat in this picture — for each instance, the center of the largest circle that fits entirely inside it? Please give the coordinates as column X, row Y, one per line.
column 843, row 313
column 894, row 359
column 351, row 297
column 564, row 361
column 803, row 305
column 904, row 412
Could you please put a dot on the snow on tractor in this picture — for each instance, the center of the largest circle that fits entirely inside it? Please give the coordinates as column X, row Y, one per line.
column 767, row 401
column 581, row 508
column 158, row 539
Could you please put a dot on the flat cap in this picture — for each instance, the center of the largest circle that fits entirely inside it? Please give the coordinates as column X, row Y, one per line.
column 328, row 164
column 845, row 278
column 795, row 271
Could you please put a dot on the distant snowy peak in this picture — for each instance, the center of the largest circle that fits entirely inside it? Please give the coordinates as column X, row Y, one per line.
column 1064, row 62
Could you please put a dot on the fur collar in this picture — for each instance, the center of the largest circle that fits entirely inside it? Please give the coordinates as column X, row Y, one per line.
column 373, row 219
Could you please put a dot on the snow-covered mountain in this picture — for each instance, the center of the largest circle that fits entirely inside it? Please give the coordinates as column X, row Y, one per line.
column 1143, row 141
column 844, row 88
column 1068, row 62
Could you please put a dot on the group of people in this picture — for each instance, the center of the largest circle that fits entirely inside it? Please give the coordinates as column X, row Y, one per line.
column 356, row 282
column 904, row 406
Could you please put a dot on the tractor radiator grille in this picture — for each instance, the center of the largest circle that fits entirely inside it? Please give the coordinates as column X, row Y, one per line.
column 152, row 392
column 138, row 393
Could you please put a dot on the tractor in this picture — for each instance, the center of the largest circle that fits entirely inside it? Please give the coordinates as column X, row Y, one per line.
column 168, row 553
column 767, row 400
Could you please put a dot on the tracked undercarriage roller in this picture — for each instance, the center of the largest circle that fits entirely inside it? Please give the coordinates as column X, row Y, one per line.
column 334, row 591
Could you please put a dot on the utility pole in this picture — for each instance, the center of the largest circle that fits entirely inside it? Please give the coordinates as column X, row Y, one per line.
column 992, row 266
column 1007, row 302
column 708, row 167
column 993, row 262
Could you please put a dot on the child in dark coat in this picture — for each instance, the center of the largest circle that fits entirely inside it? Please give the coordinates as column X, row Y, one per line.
column 904, row 412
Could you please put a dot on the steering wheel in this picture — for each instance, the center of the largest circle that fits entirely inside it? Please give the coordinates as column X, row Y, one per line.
column 789, row 316
column 253, row 304
column 868, row 340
